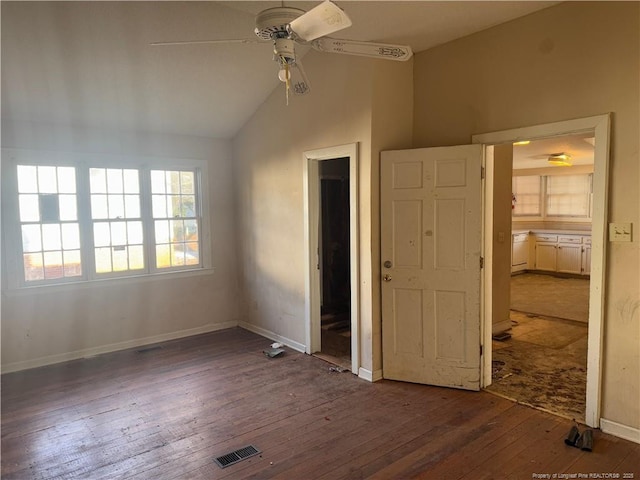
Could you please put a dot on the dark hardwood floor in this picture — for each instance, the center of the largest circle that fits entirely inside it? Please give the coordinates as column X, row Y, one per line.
column 165, row 413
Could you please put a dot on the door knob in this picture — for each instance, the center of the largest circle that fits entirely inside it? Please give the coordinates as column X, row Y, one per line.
column 386, row 277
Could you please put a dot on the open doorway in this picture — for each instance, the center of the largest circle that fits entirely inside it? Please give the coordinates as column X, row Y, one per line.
column 331, row 249
column 540, row 356
column 335, row 275
column 598, row 128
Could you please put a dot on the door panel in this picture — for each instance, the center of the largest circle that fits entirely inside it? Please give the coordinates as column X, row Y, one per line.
column 431, row 242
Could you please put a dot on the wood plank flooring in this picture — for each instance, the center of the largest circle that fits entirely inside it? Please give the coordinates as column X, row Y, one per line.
column 165, row 413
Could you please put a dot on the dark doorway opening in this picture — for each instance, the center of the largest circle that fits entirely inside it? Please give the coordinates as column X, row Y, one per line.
column 335, row 261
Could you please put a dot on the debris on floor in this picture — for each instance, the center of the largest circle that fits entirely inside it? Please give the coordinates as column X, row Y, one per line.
column 501, row 337
column 277, row 345
column 338, row 369
column 273, row 352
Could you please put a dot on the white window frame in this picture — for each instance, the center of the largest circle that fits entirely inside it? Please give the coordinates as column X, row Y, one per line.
column 13, row 268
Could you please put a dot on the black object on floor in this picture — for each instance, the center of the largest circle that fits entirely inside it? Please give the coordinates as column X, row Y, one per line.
column 572, row 437
column 585, row 442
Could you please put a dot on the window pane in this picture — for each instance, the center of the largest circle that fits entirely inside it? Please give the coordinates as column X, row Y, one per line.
column 136, row 257
column 51, row 237
column 116, row 206
column 134, row 233
column 72, row 264
column 70, row 236
column 186, row 183
column 114, row 181
column 29, row 208
column 120, row 259
column 188, row 206
column 162, row 231
column 173, row 182
column 192, row 256
column 118, row 234
column 159, row 206
column 66, row 180
column 99, row 209
column 177, row 254
column 53, row 265
column 27, row 179
column 103, row 260
column 177, row 230
column 132, row 206
column 49, row 207
column 101, row 234
column 33, row 267
column 191, row 230
column 47, row 180
column 173, row 206
column 163, row 259
column 131, row 181
column 98, row 180
column 68, row 207
column 31, row 238
column 157, row 181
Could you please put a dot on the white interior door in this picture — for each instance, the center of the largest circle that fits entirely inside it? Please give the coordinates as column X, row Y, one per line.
column 431, row 234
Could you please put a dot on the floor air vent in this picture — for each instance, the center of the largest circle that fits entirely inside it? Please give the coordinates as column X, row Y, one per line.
column 236, row 456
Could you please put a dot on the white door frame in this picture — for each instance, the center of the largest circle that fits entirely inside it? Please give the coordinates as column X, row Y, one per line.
column 311, row 188
column 599, row 124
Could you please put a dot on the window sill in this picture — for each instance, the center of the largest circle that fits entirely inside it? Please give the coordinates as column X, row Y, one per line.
column 107, row 282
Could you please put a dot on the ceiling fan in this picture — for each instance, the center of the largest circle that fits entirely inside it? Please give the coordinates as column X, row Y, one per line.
column 286, row 26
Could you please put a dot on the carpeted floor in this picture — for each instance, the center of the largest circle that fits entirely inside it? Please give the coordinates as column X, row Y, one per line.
column 551, row 296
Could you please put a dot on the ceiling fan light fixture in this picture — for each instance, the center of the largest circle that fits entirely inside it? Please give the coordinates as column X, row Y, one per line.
column 560, row 160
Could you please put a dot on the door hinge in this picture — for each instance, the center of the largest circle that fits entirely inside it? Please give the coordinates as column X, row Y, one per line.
column 481, row 350
column 481, row 262
column 481, row 172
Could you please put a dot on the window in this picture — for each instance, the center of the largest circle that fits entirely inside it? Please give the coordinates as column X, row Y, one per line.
column 554, row 196
column 568, row 195
column 88, row 222
column 526, row 191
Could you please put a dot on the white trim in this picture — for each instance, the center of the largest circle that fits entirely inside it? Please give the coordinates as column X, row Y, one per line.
column 273, row 336
column 311, row 222
column 486, row 284
column 600, row 125
column 113, row 347
column 617, row 429
column 370, row 376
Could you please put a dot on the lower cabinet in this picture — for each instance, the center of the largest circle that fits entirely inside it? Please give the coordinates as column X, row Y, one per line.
column 569, row 258
column 562, row 253
column 546, row 256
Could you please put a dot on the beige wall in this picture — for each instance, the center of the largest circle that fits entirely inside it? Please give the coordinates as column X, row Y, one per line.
column 501, row 268
column 569, row 61
column 268, row 167
column 46, row 325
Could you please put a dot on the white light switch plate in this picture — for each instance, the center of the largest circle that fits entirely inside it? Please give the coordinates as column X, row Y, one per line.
column 619, row 232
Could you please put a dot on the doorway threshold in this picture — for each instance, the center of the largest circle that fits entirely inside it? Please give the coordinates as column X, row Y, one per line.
column 343, row 362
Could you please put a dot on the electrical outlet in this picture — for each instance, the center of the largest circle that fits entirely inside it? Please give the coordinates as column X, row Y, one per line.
column 619, row 232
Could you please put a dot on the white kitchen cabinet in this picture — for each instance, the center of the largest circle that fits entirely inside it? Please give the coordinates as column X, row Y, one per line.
column 519, row 252
column 546, row 256
column 569, row 257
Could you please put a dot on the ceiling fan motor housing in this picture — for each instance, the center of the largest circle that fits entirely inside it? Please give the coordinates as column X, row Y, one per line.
column 273, row 22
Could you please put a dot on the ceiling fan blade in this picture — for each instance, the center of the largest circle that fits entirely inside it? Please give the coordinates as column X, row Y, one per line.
column 299, row 82
column 364, row 49
column 212, row 42
column 321, row 20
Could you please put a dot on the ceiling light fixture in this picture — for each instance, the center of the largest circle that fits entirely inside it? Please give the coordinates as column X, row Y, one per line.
column 522, row 142
column 560, row 159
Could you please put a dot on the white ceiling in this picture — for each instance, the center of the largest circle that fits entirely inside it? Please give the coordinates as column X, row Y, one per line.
column 536, row 153
column 90, row 64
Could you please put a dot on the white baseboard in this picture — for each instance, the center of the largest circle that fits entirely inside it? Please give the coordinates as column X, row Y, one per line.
column 619, row 430
column 112, row 347
column 370, row 376
column 273, row 336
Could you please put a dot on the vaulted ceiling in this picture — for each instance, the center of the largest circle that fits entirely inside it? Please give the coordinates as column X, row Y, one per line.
column 90, row 63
